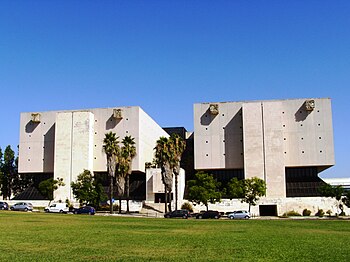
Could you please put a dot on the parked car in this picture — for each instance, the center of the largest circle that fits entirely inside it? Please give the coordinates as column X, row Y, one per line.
column 4, row 206
column 209, row 214
column 182, row 213
column 239, row 214
column 22, row 206
column 57, row 208
column 85, row 210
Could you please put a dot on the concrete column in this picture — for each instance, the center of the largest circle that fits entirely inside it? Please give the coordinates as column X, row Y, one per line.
column 73, row 149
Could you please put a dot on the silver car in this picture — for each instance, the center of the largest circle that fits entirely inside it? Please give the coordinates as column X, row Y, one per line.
column 239, row 214
column 22, row 206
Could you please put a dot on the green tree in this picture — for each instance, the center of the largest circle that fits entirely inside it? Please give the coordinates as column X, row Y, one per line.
column 128, row 152
column 47, row 187
column 249, row 190
column 8, row 171
column 87, row 189
column 204, row 189
column 162, row 159
column 346, row 199
column 111, row 148
column 335, row 192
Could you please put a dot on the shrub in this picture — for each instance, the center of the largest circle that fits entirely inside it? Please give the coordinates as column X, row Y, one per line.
column 291, row 213
column 187, row 206
column 342, row 213
column 306, row 212
column 320, row 213
column 329, row 212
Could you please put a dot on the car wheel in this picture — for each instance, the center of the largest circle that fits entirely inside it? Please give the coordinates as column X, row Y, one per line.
column 167, row 216
column 2, row 208
column 61, row 211
column 246, row 217
column 216, row 217
column 89, row 213
column 75, row 212
column 199, row 217
column 26, row 209
column 231, row 217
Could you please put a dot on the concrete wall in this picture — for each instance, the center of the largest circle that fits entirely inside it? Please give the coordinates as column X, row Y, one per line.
column 36, row 143
column 74, row 149
column 264, row 137
column 218, row 139
column 67, row 142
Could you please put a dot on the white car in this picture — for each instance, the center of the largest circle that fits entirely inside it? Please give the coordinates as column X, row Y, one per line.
column 239, row 214
column 57, row 208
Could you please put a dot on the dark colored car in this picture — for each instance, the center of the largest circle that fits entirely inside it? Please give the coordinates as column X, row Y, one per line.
column 182, row 213
column 4, row 206
column 85, row 210
column 22, row 206
column 209, row 214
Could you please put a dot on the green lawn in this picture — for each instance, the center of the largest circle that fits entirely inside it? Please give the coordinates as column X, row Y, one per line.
column 55, row 237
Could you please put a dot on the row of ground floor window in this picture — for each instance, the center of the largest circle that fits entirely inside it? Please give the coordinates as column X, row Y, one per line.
column 300, row 182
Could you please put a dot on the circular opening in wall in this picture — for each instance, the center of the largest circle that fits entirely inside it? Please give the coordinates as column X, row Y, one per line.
column 206, row 155
column 302, row 152
column 320, row 151
column 223, row 114
column 319, row 138
column 206, row 142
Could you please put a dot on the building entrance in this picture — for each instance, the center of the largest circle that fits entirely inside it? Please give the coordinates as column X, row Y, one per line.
column 268, row 210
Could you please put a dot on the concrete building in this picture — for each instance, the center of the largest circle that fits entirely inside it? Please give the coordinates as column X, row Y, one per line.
column 64, row 143
column 287, row 143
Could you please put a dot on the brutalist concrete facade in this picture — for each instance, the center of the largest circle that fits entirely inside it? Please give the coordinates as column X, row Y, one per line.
column 277, row 141
column 64, row 143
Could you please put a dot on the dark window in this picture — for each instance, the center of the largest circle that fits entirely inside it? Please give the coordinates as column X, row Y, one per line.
column 303, row 182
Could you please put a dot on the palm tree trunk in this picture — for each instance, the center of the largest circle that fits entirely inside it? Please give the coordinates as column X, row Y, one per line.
column 166, row 198
column 111, row 195
column 169, row 197
column 120, row 204
column 176, row 191
column 127, row 189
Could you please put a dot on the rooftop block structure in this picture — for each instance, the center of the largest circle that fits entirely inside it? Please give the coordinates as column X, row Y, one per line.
column 283, row 142
column 64, row 143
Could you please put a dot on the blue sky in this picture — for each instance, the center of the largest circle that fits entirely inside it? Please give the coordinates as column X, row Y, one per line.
column 167, row 55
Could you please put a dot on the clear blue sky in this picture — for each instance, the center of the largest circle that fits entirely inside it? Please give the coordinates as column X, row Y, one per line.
column 167, row 55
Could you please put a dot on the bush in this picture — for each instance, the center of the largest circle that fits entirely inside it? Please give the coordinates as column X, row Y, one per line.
column 306, row 212
column 320, row 213
column 342, row 213
column 291, row 213
column 187, row 206
column 329, row 212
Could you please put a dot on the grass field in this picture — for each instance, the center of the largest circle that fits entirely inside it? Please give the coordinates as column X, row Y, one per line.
column 55, row 237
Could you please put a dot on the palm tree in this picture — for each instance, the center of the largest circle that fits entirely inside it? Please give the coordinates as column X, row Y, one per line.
column 111, row 148
column 178, row 147
column 162, row 157
column 121, row 172
column 129, row 152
